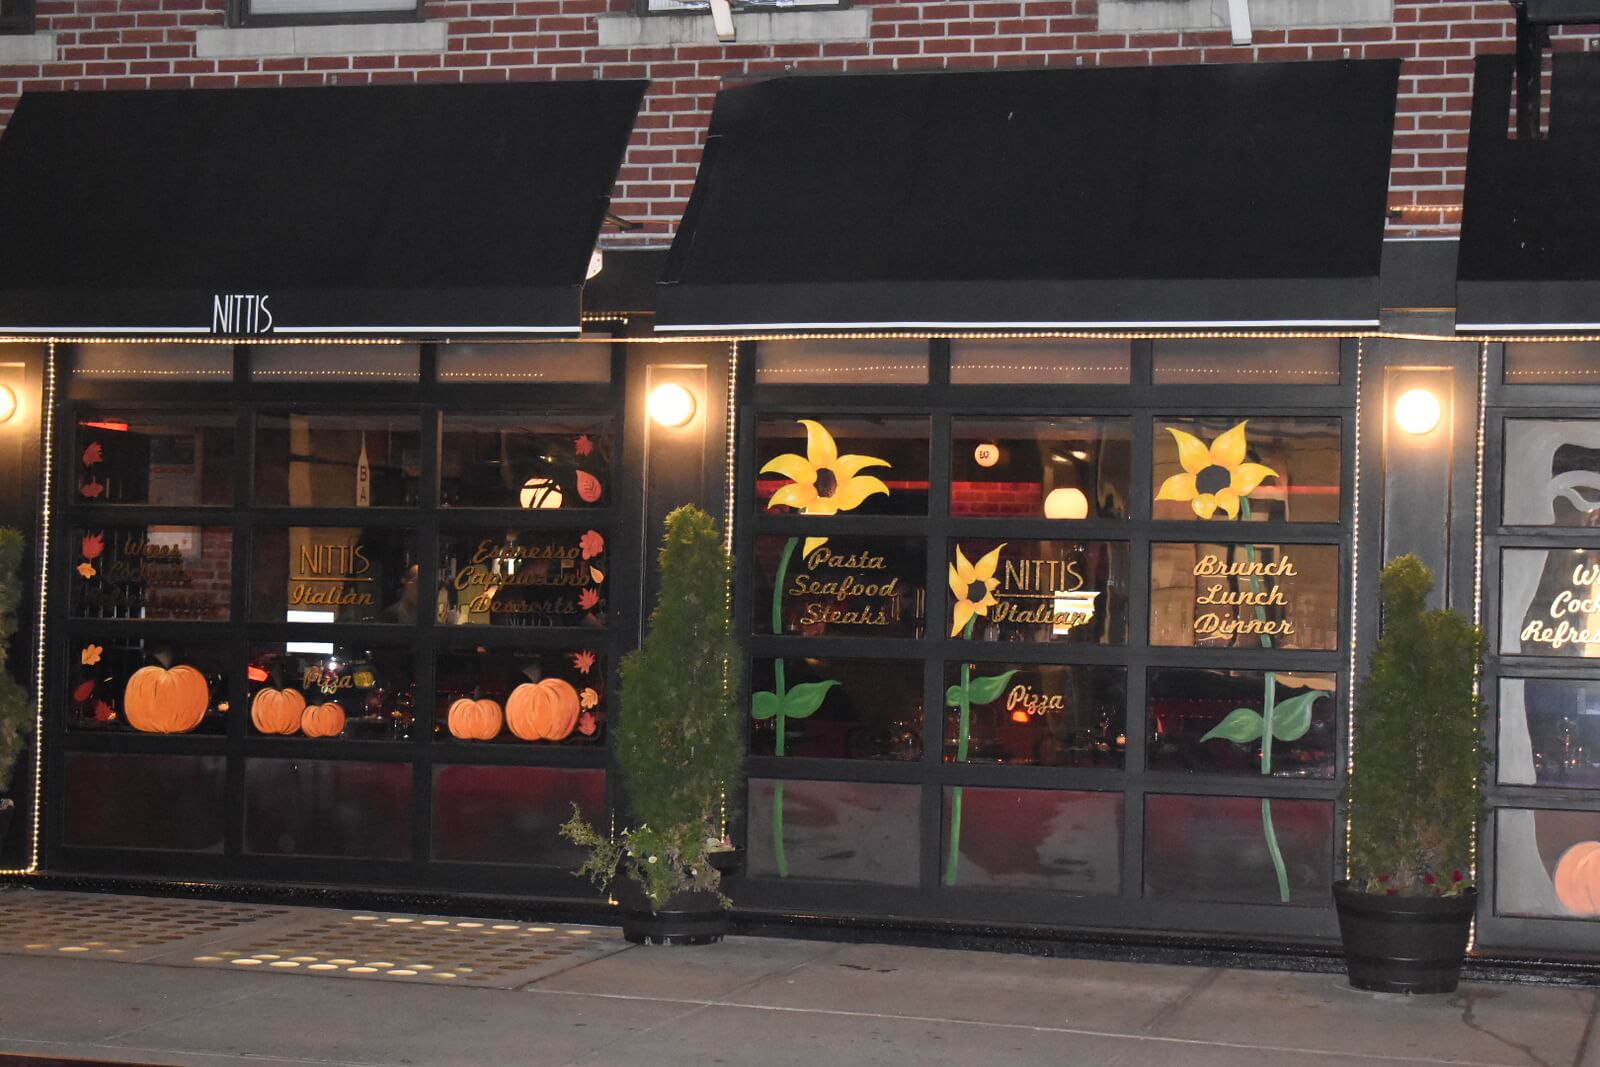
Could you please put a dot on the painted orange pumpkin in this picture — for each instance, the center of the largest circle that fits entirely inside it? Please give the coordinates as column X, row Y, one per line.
column 323, row 720
column 277, row 711
column 543, row 711
column 159, row 701
column 475, row 720
column 564, row 708
column 525, row 710
column 1578, row 878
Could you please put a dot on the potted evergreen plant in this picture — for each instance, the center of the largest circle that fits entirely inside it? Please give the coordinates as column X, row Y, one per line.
column 679, row 747
column 16, row 712
column 1406, row 909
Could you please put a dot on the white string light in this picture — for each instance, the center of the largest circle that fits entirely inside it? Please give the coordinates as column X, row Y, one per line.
column 1355, row 599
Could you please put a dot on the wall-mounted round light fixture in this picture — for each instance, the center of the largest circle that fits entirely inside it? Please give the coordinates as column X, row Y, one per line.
column 671, row 405
column 8, row 402
column 1417, row 411
column 1066, row 504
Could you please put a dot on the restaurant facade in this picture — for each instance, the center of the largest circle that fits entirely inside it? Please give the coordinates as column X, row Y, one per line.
column 983, row 369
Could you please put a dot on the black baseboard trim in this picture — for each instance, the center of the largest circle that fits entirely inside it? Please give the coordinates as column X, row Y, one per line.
column 1188, row 949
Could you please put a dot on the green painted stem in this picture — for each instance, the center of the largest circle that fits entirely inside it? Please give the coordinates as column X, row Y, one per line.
column 779, row 687
column 1269, row 702
column 954, row 861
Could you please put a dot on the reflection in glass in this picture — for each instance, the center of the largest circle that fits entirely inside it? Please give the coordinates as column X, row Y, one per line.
column 342, row 460
column 1015, row 467
column 522, row 578
column 1550, row 602
column 1551, row 362
column 1552, row 472
column 1212, row 849
column 1047, row 714
column 512, row 814
column 1072, row 592
column 335, row 362
column 159, row 459
column 373, row 691
column 146, row 685
column 1195, row 723
column 1024, row 362
column 1038, row 839
column 1277, row 361
column 824, row 361
column 1217, row 595
column 512, row 696
column 872, row 711
column 334, row 574
column 169, row 362
column 559, row 361
column 848, row 587
column 1549, row 732
column 1302, row 457
column 316, row 807
column 1547, row 863
column 509, row 461
column 833, row 465
column 838, row 831
column 151, row 572
column 168, row 802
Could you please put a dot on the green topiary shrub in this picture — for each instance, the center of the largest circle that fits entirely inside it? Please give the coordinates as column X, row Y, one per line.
column 1413, row 795
column 680, row 741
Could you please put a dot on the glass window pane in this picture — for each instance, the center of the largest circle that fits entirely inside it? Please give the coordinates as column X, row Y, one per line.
column 337, row 461
column 835, row 831
column 523, row 578
column 151, row 572
column 1007, row 362
column 146, row 685
column 315, row 807
column 1549, row 732
column 515, row 696
column 1550, row 602
column 1259, row 469
column 1068, row 468
column 323, row 690
column 826, row 361
column 334, row 574
column 834, row 466
column 561, row 361
column 168, row 362
column 335, row 362
column 1552, row 472
column 514, row 461
column 1072, row 592
column 159, row 459
column 512, row 814
column 847, row 587
column 1035, row 839
column 1551, row 362
column 1277, row 361
column 1216, row 595
column 1217, row 849
column 1546, row 863
column 1211, row 722
column 164, row 801
column 869, row 709
column 1047, row 714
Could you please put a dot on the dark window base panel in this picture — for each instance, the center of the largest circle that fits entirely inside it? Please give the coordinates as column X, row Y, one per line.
column 1154, row 947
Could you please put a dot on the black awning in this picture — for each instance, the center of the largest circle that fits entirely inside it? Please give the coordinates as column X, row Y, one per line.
column 393, row 210
column 1247, row 195
column 1530, row 223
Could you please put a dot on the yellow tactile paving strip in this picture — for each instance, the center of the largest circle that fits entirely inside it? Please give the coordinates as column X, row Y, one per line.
column 108, row 926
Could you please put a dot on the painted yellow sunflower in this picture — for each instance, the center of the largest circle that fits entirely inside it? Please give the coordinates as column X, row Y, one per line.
column 973, row 585
column 1215, row 477
column 822, row 482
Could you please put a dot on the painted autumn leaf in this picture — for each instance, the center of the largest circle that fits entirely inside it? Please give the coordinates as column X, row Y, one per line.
column 588, row 487
column 588, row 599
column 103, row 712
column 589, row 698
column 94, row 545
column 83, row 692
column 583, row 445
column 591, row 544
column 583, row 661
column 93, row 454
column 90, row 655
column 586, row 724
column 87, row 570
column 91, row 489
column 597, row 576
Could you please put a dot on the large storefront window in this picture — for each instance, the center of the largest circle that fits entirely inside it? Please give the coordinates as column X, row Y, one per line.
column 335, row 613
column 1058, row 630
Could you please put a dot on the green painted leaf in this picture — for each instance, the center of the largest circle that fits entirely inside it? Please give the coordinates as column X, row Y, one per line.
column 763, row 705
column 1292, row 718
column 1242, row 724
column 805, row 698
column 986, row 690
column 955, row 695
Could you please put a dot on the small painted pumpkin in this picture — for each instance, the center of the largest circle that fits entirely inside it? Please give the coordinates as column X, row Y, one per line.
column 277, row 711
column 159, row 701
column 475, row 720
column 525, row 711
column 1578, row 878
column 323, row 720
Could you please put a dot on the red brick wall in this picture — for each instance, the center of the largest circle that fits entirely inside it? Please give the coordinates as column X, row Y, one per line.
column 150, row 44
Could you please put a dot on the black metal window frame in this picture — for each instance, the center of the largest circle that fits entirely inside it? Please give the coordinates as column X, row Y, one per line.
column 17, row 17
column 1504, row 402
column 1143, row 402
column 430, row 401
column 240, row 15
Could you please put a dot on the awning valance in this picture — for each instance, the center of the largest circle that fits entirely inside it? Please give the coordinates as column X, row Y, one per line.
column 415, row 210
column 1249, row 195
column 1530, row 223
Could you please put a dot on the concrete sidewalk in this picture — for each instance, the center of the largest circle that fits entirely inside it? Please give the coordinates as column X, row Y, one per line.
column 198, row 983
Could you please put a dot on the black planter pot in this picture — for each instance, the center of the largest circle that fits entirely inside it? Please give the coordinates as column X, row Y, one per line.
column 693, row 917
column 1403, row 944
